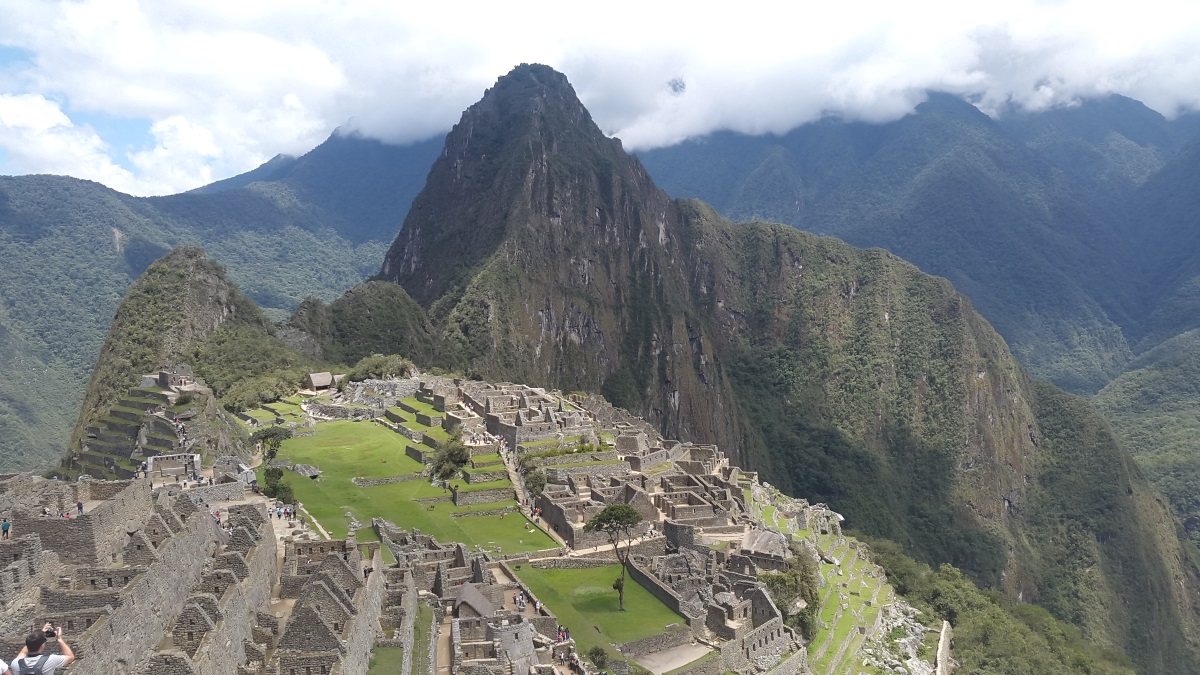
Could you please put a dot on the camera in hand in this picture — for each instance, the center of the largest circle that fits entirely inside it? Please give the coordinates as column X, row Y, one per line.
column 51, row 632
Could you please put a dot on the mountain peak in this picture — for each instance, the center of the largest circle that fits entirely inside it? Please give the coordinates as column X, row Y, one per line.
column 524, row 161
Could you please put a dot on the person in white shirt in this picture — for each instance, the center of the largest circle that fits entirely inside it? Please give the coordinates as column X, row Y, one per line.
column 31, row 658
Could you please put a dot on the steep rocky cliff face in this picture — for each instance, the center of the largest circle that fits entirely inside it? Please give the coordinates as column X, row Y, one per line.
column 542, row 253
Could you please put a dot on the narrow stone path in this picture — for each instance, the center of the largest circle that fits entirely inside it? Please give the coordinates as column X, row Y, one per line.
column 443, row 646
column 523, row 501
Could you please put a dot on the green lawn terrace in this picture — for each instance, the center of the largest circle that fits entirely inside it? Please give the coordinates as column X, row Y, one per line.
column 391, row 487
column 855, row 596
column 584, row 601
column 286, row 411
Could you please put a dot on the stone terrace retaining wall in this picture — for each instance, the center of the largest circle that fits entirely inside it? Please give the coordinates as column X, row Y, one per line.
column 477, row 476
column 573, row 563
column 673, row 636
column 338, row 412
column 467, row 498
column 372, row 482
column 559, row 475
column 576, row 457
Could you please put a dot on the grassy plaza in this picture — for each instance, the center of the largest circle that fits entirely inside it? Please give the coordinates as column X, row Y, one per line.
column 585, row 602
column 343, row 450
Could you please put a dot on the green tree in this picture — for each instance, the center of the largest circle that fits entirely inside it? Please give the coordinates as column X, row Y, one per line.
column 451, row 457
column 535, row 482
column 271, row 438
column 381, row 367
column 797, row 587
column 617, row 522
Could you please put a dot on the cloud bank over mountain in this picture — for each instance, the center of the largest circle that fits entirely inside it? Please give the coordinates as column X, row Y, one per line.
column 158, row 97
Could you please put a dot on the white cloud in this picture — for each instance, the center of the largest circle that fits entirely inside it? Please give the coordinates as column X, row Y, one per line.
column 40, row 138
column 225, row 85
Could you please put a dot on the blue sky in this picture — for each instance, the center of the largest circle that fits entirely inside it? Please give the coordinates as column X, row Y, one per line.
column 154, row 97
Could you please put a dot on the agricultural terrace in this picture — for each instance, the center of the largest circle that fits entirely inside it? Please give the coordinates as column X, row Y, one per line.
column 584, row 601
column 343, row 450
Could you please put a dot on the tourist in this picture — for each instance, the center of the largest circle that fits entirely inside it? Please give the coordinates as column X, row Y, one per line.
column 32, row 660
column 4, row 528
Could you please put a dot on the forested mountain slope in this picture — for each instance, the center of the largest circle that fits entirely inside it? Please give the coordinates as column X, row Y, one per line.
column 540, row 252
column 309, row 226
column 1027, row 215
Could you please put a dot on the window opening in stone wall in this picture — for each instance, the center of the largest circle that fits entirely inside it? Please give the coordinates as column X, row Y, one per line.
column 110, row 582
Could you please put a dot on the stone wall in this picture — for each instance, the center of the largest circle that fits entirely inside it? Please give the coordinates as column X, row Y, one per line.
column 219, row 493
column 649, row 460
column 337, row 412
column 363, row 628
column 433, row 640
column 576, row 457
column 418, row 453
column 674, row 636
column 467, row 498
column 478, row 476
column 386, row 388
column 27, row 569
column 559, row 475
column 154, row 600
column 658, row 589
column 372, row 482
column 98, row 535
column 223, row 650
column 574, row 563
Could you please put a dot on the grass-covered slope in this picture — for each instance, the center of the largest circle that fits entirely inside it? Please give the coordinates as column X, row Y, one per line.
column 543, row 254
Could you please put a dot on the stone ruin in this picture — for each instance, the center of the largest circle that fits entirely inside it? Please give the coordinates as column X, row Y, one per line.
column 150, row 581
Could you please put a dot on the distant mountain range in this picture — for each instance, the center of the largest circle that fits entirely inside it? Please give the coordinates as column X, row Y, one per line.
column 296, row 227
column 1052, row 223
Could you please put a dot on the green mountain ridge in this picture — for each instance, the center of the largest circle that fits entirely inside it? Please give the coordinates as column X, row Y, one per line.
column 1026, row 214
column 73, row 248
column 1155, row 412
column 540, row 252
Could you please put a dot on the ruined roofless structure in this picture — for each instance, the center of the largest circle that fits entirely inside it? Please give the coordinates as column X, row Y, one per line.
column 149, row 582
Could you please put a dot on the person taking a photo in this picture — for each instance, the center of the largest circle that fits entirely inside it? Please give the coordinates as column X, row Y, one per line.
column 31, row 660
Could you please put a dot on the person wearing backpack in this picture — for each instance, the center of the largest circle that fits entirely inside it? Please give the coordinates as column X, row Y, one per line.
column 31, row 660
